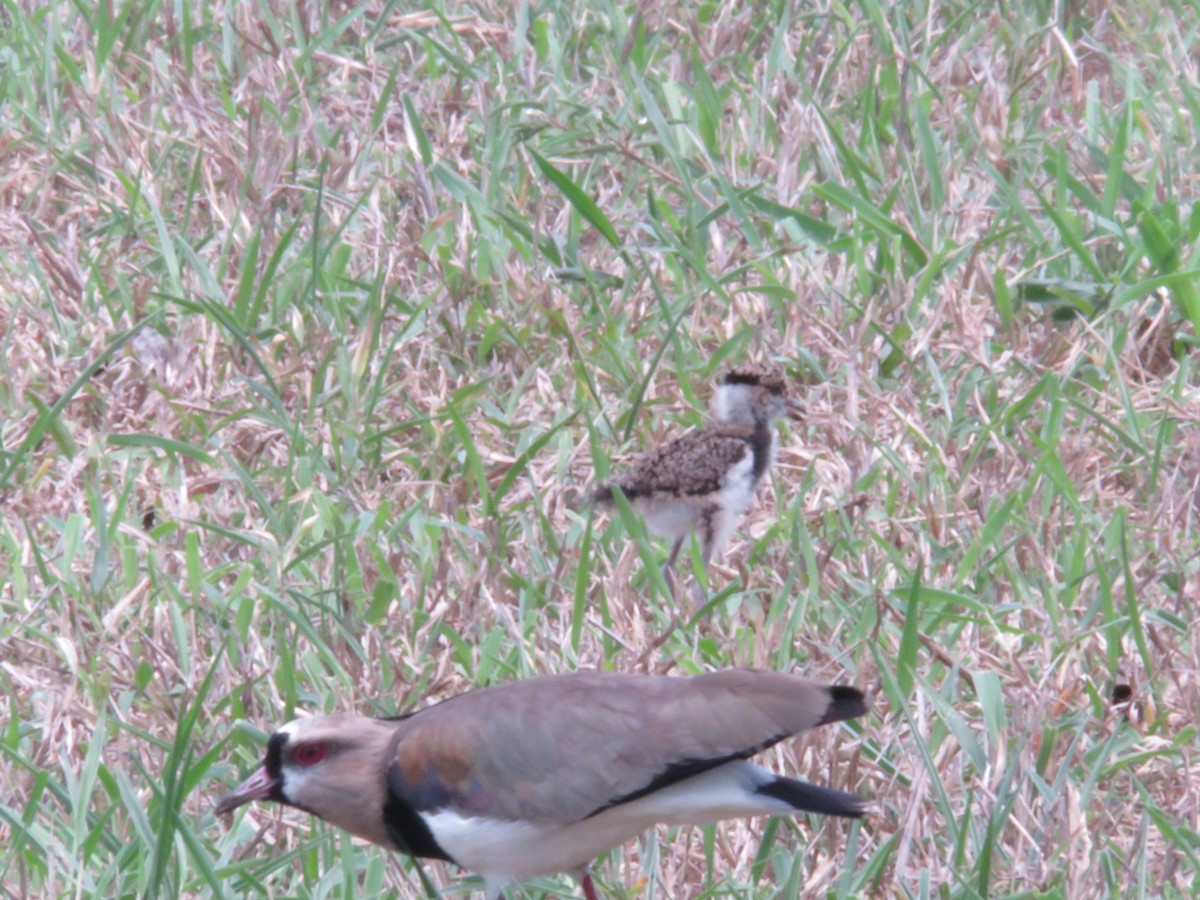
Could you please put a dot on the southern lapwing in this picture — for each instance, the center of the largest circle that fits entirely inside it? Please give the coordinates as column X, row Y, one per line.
column 541, row 776
column 706, row 479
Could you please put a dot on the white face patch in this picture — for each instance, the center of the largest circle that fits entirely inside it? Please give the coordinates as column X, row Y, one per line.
column 776, row 406
column 745, row 403
column 292, row 782
column 733, row 403
column 292, row 728
column 292, row 778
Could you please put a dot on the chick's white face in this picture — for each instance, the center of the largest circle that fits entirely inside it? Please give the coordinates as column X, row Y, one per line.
column 775, row 404
column 741, row 403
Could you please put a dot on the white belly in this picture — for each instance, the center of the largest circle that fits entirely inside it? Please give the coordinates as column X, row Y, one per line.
column 505, row 850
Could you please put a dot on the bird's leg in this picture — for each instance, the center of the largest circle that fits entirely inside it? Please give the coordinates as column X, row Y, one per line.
column 589, row 889
column 668, row 568
column 699, row 592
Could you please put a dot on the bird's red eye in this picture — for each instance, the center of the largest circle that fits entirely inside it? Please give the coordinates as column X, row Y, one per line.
column 309, row 754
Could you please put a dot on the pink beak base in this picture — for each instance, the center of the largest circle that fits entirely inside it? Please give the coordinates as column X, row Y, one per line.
column 257, row 787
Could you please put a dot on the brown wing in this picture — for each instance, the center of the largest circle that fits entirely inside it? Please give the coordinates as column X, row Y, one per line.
column 560, row 748
column 692, row 465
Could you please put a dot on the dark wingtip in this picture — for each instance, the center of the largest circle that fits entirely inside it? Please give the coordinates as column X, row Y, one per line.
column 845, row 702
column 800, row 795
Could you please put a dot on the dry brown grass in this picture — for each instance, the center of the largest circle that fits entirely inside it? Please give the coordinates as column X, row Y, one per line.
column 289, row 482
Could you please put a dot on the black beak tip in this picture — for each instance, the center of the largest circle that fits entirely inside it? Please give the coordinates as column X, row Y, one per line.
column 259, row 786
column 227, row 804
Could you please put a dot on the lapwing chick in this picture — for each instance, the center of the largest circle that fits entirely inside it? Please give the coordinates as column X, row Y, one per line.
column 705, row 480
column 540, row 777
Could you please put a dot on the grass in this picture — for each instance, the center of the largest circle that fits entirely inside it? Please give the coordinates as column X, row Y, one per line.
column 318, row 321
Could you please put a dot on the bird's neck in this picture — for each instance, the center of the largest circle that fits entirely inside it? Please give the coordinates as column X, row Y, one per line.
column 763, row 441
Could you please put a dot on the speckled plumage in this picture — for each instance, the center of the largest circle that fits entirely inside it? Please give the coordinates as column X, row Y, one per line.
column 690, row 466
column 706, row 480
column 768, row 377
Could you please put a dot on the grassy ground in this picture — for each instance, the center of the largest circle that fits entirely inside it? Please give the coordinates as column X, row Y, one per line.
column 318, row 320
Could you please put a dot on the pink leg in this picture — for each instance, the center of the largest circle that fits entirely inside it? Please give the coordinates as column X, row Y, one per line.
column 670, row 563
column 668, row 568
column 589, row 889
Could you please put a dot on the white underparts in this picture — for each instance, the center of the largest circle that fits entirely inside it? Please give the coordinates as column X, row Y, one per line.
column 504, row 851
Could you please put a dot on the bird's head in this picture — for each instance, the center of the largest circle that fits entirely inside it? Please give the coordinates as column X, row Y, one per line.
column 331, row 766
column 754, row 394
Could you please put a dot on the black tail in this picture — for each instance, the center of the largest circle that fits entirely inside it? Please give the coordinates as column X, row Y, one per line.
column 601, row 496
column 801, row 795
column 844, row 703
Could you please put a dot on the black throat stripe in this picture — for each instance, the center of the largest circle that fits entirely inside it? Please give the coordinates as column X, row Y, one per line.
column 405, row 825
column 760, row 446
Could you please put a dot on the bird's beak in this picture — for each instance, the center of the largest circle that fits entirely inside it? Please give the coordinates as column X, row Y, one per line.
column 257, row 787
column 795, row 410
